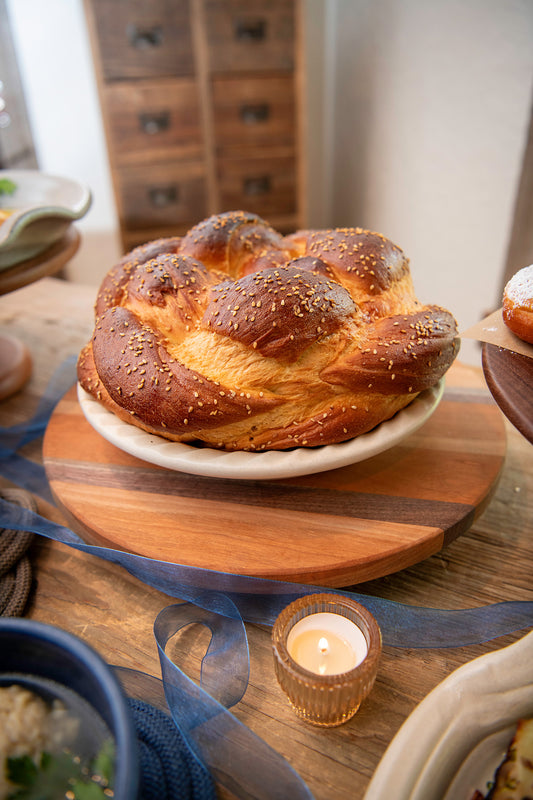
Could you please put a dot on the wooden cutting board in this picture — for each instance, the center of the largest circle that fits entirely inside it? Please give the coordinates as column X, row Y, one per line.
column 335, row 528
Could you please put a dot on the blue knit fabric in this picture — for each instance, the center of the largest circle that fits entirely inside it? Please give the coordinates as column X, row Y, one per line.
column 169, row 771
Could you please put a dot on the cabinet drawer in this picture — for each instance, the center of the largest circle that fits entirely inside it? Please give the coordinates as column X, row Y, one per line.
column 253, row 112
column 153, row 120
column 256, row 35
column 143, row 38
column 265, row 186
column 161, row 194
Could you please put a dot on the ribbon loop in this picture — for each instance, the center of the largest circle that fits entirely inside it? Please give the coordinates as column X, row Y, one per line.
column 215, row 735
column 226, row 664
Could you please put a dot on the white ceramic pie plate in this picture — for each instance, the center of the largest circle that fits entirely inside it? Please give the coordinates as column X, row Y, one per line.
column 457, row 736
column 268, row 465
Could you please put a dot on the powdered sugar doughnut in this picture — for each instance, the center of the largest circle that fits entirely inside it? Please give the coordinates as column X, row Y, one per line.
column 518, row 304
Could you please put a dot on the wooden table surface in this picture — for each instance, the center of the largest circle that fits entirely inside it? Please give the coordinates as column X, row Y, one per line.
column 114, row 612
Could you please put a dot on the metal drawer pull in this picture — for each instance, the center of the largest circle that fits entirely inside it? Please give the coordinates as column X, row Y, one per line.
column 253, row 114
column 255, row 186
column 144, row 38
column 249, row 29
column 154, row 123
column 163, row 196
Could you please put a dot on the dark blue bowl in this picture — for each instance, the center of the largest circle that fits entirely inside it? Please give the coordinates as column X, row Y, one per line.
column 56, row 663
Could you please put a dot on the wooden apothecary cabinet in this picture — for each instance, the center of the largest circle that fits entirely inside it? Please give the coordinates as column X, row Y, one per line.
column 202, row 108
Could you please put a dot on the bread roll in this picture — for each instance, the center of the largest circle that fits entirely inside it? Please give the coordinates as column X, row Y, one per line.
column 244, row 339
column 518, row 304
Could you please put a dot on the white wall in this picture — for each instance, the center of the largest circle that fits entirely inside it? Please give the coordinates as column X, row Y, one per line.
column 422, row 107
column 431, row 113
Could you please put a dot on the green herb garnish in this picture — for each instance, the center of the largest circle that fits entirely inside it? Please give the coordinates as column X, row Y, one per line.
column 7, row 186
column 56, row 774
column 104, row 763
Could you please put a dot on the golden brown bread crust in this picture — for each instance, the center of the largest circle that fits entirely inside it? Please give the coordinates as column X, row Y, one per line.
column 518, row 304
column 248, row 340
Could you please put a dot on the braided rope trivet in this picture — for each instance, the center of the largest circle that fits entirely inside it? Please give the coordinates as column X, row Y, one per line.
column 15, row 567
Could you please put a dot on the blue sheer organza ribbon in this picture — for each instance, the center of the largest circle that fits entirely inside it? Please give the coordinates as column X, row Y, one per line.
column 200, row 712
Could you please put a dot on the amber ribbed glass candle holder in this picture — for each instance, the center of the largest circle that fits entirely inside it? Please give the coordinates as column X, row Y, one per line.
column 326, row 653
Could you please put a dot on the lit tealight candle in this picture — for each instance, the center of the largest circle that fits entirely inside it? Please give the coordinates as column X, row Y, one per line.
column 326, row 651
column 327, row 643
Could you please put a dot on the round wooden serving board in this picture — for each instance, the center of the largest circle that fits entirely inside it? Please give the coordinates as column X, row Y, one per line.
column 335, row 528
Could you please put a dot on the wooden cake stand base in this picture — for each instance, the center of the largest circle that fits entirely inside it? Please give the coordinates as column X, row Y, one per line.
column 509, row 376
column 49, row 262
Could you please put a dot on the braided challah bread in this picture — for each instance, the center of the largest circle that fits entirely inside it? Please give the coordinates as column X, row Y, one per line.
column 244, row 339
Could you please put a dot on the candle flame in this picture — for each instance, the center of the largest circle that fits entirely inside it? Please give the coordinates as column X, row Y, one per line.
column 323, row 645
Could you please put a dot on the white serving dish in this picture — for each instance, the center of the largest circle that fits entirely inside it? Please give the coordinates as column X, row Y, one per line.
column 457, row 736
column 268, row 465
